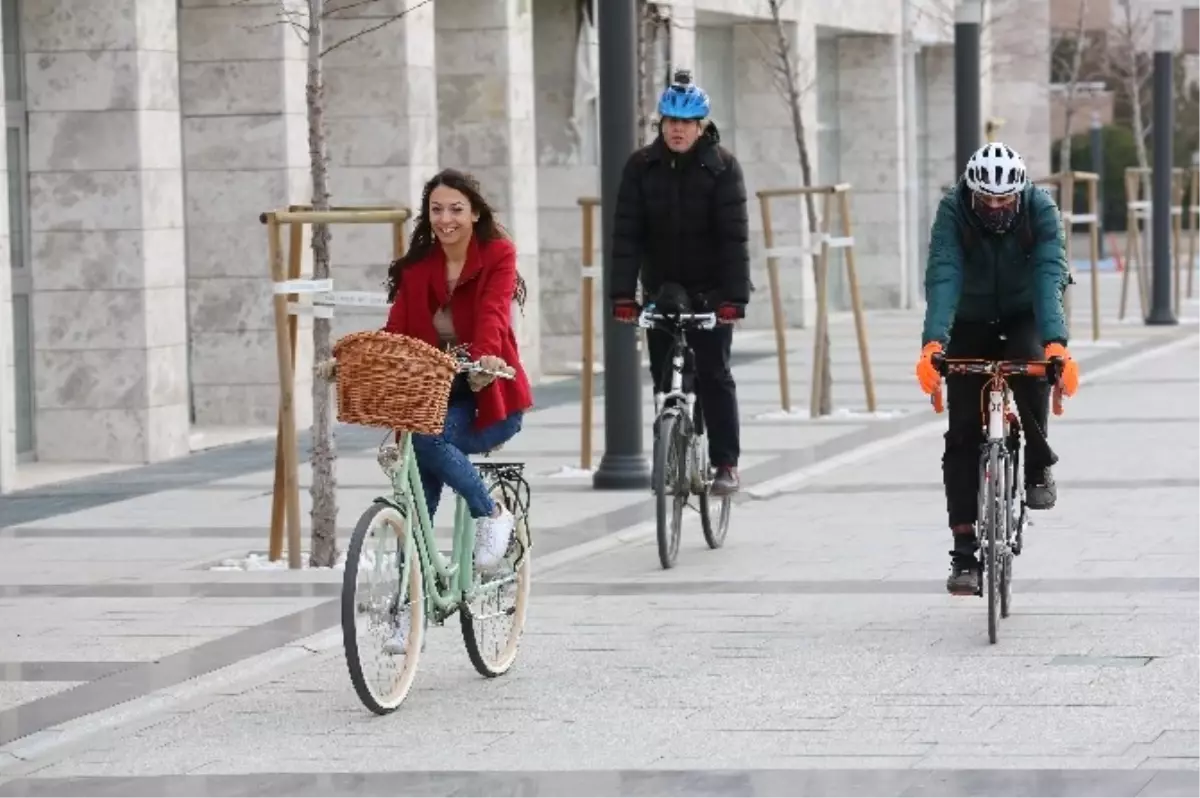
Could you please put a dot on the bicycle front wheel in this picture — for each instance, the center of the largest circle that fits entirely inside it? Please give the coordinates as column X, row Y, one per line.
column 670, row 492
column 383, row 621
column 992, row 502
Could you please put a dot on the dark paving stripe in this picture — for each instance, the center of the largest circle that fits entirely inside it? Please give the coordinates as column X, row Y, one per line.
column 148, row 590
column 1065, row 485
column 223, row 462
column 60, row 671
column 877, row 587
column 126, row 685
column 255, row 533
column 1132, row 584
column 1110, row 422
column 878, row 782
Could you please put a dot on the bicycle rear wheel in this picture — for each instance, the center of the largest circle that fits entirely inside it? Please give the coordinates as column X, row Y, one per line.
column 714, row 534
column 383, row 626
column 670, row 489
column 506, row 600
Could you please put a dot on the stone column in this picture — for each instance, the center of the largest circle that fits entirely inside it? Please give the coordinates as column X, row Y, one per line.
column 245, row 152
column 1020, row 93
column 381, row 115
column 767, row 151
column 382, row 123
column 8, row 366
column 870, row 105
column 567, row 170
column 109, row 303
column 485, row 94
column 683, row 35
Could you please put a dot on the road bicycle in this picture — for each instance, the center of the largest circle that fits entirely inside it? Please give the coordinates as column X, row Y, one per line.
column 394, row 554
column 1003, row 515
column 681, row 468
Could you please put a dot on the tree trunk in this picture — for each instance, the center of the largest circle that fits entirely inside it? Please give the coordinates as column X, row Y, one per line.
column 323, row 552
column 784, row 52
column 1079, row 45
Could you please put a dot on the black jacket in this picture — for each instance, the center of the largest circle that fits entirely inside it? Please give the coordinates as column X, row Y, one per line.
column 682, row 218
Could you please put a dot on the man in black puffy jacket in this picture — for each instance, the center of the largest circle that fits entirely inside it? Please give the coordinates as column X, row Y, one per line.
column 682, row 222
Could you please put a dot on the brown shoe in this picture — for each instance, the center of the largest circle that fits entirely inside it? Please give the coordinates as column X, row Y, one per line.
column 726, row 482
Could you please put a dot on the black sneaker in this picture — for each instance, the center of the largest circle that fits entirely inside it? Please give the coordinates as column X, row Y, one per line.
column 1040, row 492
column 964, row 567
column 726, row 482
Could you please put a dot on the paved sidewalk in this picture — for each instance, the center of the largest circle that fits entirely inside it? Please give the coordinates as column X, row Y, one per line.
column 816, row 653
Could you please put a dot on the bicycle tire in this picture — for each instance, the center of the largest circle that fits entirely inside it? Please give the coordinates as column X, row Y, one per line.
column 1006, row 553
column 519, row 552
column 714, row 536
column 990, row 572
column 668, row 451
column 381, row 704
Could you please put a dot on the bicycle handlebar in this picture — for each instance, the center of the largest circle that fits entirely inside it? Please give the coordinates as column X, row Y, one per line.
column 649, row 318
column 1048, row 370
column 473, row 367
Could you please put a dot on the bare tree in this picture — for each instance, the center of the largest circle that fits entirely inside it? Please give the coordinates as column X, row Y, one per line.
column 1068, row 48
column 654, row 47
column 786, row 75
column 1132, row 69
column 306, row 18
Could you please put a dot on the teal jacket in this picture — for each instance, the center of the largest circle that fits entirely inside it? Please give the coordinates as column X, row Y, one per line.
column 996, row 279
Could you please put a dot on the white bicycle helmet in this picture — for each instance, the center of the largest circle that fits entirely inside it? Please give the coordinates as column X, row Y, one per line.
column 996, row 170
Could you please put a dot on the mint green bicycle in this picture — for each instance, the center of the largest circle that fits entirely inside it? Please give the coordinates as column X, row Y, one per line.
column 397, row 578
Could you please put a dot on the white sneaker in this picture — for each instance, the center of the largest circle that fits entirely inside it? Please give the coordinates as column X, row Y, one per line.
column 492, row 536
column 397, row 644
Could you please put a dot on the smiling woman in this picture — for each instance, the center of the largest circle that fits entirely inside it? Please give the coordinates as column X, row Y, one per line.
column 454, row 289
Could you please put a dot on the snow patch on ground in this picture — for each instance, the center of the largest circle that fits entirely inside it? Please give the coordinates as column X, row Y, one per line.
column 259, row 561
column 571, row 472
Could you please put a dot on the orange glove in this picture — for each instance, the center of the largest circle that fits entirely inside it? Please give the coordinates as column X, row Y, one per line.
column 927, row 375
column 1069, row 378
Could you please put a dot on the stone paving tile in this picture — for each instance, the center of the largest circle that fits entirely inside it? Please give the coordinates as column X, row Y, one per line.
column 790, row 677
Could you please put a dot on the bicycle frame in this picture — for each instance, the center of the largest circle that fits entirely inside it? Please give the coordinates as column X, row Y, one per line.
column 654, row 320
column 994, row 409
column 456, row 573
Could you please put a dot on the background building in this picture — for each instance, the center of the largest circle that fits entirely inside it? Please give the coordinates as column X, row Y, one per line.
column 144, row 137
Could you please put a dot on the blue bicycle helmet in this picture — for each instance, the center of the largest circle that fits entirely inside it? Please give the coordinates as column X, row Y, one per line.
column 682, row 99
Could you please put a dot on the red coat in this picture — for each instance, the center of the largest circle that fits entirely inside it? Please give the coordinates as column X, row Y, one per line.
column 481, row 308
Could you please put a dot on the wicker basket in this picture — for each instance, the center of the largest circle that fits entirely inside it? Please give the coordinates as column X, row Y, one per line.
column 393, row 381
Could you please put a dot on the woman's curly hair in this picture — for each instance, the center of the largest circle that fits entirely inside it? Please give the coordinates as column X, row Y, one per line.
column 422, row 241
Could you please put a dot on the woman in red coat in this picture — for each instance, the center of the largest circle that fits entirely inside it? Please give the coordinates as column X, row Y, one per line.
column 455, row 288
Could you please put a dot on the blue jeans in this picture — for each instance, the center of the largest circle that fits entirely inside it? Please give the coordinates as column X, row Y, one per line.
column 442, row 459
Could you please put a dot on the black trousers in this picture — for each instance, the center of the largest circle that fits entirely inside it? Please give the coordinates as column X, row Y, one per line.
column 714, row 385
column 1015, row 338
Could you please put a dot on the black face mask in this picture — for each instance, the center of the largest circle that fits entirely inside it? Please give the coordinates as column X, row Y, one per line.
column 996, row 220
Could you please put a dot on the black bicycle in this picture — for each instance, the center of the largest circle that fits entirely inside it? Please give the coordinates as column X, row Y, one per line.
column 1002, row 517
column 681, row 468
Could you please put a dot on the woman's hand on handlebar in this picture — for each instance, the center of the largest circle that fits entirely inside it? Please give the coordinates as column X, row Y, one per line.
column 490, row 367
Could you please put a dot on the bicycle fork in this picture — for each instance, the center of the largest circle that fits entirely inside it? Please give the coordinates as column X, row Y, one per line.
column 695, row 475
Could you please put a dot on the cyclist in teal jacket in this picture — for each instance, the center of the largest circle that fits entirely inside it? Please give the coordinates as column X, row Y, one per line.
column 994, row 286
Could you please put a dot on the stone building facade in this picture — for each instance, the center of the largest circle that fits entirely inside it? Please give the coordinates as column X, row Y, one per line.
column 144, row 138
